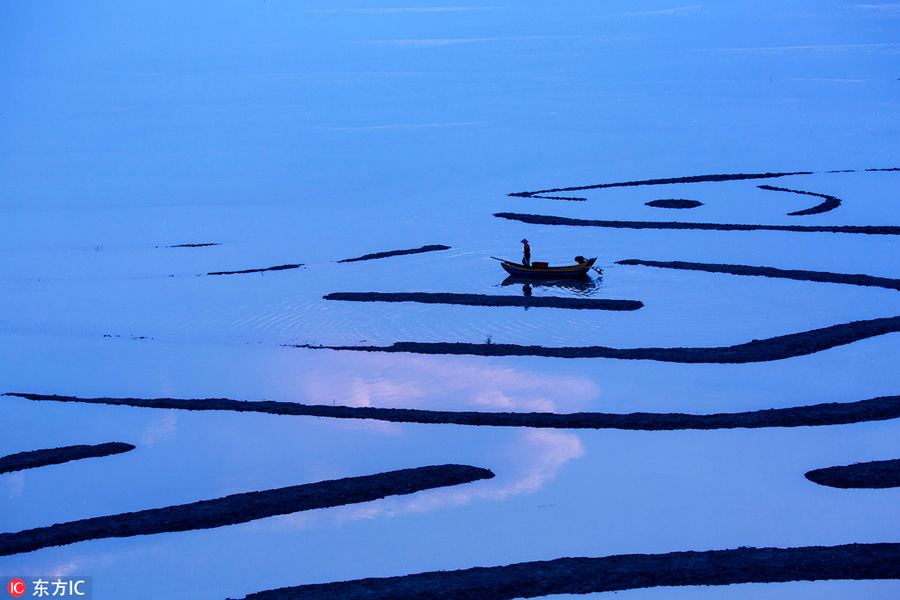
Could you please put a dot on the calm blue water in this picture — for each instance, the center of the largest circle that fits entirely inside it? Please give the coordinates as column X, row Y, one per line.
column 293, row 133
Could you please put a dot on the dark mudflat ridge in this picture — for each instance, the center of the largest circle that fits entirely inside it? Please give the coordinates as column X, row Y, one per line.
column 277, row 268
column 830, row 201
column 611, row 573
column 674, row 203
column 665, row 181
column 776, row 348
column 55, row 456
column 874, row 475
column 569, row 198
column 240, row 508
column 133, row 337
column 484, row 300
column 377, row 255
column 551, row 220
column 800, row 275
column 833, row 413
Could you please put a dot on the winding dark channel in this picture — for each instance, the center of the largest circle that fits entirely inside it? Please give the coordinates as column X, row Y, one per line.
column 55, row 456
column 569, row 198
column 830, row 202
column 832, row 413
column 377, row 255
column 612, row 573
column 800, row 275
column 276, row 268
column 485, row 300
column 879, row 474
column 674, row 203
column 665, row 181
column 551, row 220
column 241, row 508
column 776, row 348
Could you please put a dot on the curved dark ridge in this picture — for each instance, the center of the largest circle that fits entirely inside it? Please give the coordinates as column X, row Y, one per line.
column 878, row 474
column 665, row 181
column 776, row 348
column 831, row 413
column 674, row 203
column 55, row 456
column 485, row 300
column 240, row 508
column 821, row 276
column 195, row 245
column 551, row 220
column 612, row 573
column 830, row 201
column 570, row 198
column 278, row 268
column 376, row 255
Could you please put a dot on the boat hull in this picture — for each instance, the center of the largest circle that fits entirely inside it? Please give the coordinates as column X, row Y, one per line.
column 520, row 270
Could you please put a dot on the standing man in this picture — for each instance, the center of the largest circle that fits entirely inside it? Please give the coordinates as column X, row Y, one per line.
column 526, row 257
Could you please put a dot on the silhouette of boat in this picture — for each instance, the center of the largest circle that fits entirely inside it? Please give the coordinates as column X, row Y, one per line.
column 545, row 271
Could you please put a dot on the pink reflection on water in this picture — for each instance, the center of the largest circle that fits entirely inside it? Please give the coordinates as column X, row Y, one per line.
column 523, row 463
column 523, row 460
column 437, row 383
column 533, row 458
column 162, row 427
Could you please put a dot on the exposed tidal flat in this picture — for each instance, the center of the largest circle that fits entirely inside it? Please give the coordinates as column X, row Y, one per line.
column 796, row 274
column 830, row 202
column 258, row 270
column 832, row 413
column 486, row 300
column 873, row 475
column 616, row 573
column 676, row 203
column 776, row 348
column 287, row 267
column 32, row 459
column 240, row 508
column 389, row 253
column 715, row 177
column 727, row 409
column 573, row 222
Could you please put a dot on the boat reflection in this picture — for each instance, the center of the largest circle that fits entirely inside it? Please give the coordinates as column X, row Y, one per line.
column 581, row 286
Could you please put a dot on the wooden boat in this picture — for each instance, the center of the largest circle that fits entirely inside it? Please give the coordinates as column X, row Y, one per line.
column 543, row 270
